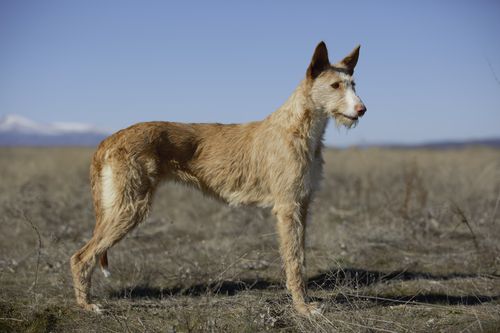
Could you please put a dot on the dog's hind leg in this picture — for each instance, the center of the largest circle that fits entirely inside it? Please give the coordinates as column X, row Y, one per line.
column 126, row 199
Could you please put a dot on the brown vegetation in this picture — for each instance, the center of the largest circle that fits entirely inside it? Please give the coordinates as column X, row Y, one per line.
column 399, row 241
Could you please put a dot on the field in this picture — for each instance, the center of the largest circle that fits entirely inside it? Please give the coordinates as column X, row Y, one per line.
column 399, row 241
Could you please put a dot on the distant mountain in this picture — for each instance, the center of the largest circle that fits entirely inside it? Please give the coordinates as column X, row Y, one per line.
column 20, row 131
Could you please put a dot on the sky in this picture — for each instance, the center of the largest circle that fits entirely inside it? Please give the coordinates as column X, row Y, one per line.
column 428, row 70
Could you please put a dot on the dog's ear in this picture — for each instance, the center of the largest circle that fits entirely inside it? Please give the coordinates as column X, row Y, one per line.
column 351, row 60
column 319, row 61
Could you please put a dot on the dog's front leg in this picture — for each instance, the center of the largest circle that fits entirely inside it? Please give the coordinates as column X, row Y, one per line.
column 291, row 230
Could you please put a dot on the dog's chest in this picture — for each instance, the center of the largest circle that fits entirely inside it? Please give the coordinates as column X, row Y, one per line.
column 312, row 177
column 314, row 170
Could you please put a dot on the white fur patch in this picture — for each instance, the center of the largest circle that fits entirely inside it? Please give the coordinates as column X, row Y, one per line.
column 351, row 101
column 106, row 272
column 108, row 188
column 350, row 98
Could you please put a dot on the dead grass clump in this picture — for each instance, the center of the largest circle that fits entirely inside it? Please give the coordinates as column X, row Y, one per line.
column 399, row 241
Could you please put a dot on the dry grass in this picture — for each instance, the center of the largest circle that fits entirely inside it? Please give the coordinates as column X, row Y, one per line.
column 400, row 241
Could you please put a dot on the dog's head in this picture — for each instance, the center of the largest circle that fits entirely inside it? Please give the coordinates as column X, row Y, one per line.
column 332, row 88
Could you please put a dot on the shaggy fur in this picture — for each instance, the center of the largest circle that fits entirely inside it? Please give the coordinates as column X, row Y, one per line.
column 276, row 162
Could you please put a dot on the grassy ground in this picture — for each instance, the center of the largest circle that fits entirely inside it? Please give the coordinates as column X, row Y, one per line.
column 399, row 241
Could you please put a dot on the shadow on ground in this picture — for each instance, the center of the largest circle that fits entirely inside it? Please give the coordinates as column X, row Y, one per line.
column 327, row 280
column 354, row 277
column 431, row 298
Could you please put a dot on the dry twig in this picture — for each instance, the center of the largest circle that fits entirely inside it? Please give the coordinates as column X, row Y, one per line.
column 39, row 248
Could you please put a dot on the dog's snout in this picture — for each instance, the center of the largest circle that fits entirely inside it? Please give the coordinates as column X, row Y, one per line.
column 360, row 109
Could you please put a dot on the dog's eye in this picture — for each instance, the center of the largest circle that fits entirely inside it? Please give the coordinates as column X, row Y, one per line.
column 336, row 85
column 353, row 84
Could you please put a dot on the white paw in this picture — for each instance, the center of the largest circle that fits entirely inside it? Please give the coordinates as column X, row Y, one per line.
column 317, row 309
column 309, row 309
column 95, row 308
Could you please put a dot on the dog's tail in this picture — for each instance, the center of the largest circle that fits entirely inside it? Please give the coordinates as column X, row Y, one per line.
column 103, row 262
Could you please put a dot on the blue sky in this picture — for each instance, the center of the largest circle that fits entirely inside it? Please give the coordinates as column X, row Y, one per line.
column 423, row 70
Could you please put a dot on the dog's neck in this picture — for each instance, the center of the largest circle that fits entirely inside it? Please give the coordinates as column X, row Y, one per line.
column 298, row 117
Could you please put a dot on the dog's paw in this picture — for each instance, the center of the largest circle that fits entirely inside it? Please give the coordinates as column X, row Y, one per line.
column 96, row 308
column 309, row 309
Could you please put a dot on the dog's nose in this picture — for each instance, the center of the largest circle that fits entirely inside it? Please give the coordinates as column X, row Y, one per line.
column 360, row 109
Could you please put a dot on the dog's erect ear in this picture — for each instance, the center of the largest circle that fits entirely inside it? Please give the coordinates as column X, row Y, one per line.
column 319, row 61
column 351, row 60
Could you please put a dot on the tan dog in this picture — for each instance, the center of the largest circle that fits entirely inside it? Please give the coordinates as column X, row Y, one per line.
column 276, row 162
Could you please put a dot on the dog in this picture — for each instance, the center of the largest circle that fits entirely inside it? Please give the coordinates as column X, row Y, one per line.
column 275, row 163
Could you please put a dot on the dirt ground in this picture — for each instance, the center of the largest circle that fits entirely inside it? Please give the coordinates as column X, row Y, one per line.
column 399, row 241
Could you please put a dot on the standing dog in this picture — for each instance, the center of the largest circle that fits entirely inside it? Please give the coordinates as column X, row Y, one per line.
column 276, row 162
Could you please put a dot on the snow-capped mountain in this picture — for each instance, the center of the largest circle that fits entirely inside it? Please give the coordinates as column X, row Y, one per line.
column 18, row 130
